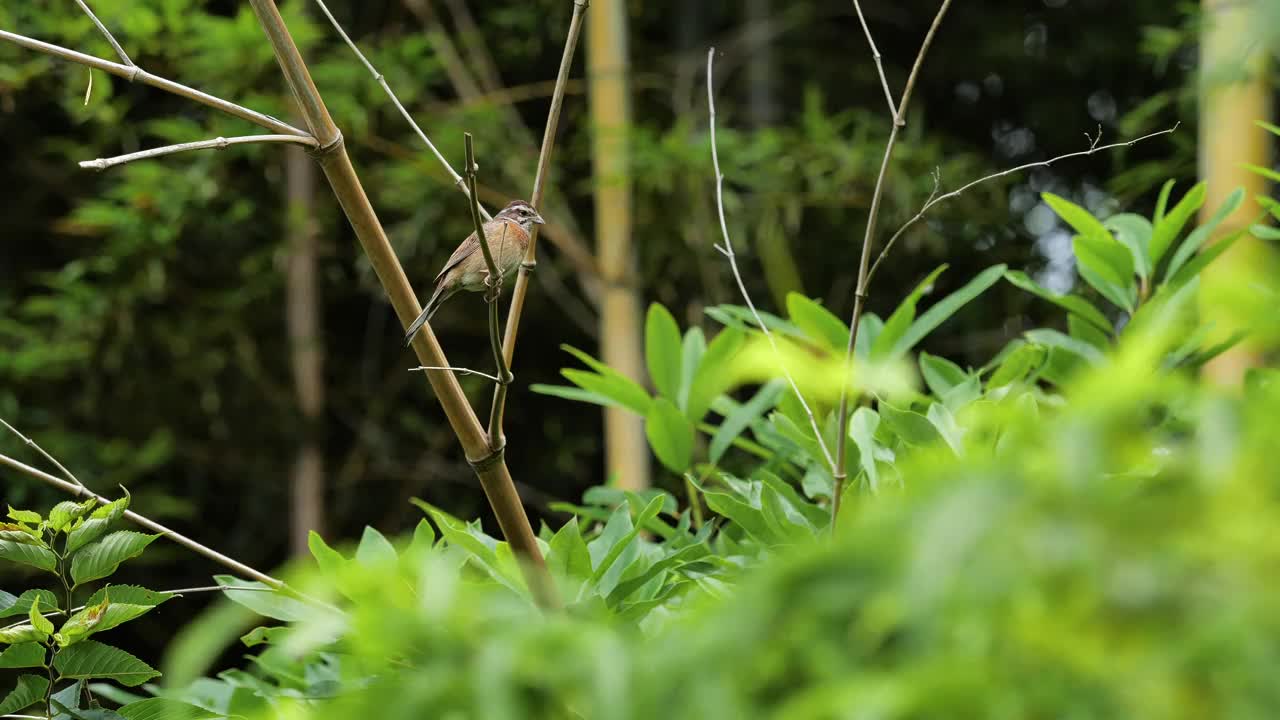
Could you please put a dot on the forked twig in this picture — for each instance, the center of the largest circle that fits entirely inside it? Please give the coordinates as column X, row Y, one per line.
column 934, row 199
column 382, row 81
column 860, row 294
column 875, row 55
column 65, row 472
column 217, row 143
column 727, row 250
column 133, row 73
column 124, row 57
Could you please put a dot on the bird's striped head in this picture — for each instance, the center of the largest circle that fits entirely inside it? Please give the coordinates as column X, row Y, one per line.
column 522, row 213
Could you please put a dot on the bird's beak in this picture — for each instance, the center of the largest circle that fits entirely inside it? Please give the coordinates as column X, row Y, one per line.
column 537, row 219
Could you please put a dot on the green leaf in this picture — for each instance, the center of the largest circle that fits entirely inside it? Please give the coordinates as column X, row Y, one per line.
column 692, row 350
column 42, row 624
column 568, row 555
column 67, row 512
column 28, row 554
column 22, row 655
column 1264, row 232
column 1056, row 339
column 868, row 330
column 898, row 323
column 164, row 709
column 940, row 374
column 13, row 607
column 862, row 429
column 1168, row 227
column 331, row 561
column 1200, row 235
column 30, row 690
column 1088, row 332
column 1017, row 365
column 1081, row 220
column 912, row 427
column 670, row 435
column 263, row 599
column 608, row 382
column 92, row 659
column 424, row 536
column 1161, row 204
column 124, row 603
column 375, row 549
column 264, row 635
column 945, row 308
column 711, row 380
column 1107, row 266
column 573, row 393
column 481, row 549
column 616, row 551
column 1193, row 269
column 30, row 517
column 21, row 534
column 14, row 634
column 1071, row 303
column 743, row 416
column 96, row 524
column 100, row 559
column 662, row 351
column 817, row 323
column 945, row 423
column 619, row 390
column 1134, row 233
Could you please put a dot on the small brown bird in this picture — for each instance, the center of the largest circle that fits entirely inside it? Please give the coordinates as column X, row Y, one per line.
column 508, row 236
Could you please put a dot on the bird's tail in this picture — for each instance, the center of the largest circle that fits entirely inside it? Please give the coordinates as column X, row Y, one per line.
column 437, row 297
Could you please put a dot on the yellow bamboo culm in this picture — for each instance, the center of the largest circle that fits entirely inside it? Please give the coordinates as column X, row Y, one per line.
column 626, row 451
column 1234, row 95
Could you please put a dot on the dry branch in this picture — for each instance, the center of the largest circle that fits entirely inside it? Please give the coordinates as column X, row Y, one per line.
column 217, row 143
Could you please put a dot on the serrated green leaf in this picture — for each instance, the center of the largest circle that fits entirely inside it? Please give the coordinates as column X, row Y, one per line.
column 817, row 323
column 1168, row 227
column 743, row 416
column 898, row 323
column 662, row 351
column 42, row 624
column 263, row 599
column 1071, row 303
column 28, row 554
column 92, row 659
column 67, row 512
column 101, row 558
column 22, row 655
column 96, row 524
column 124, row 603
column 670, row 435
column 30, row 690
column 165, row 709
column 375, row 549
column 30, row 517
column 945, row 308
column 20, row 605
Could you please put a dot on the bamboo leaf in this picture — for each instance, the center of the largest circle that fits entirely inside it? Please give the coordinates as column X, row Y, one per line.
column 670, row 435
column 899, row 322
column 743, row 416
column 945, row 308
column 817, row 323
column 662, row 351
column 1073, row 304
column 1168, row 227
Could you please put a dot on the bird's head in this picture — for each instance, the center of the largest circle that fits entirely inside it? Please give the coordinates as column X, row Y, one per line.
column 522, row 213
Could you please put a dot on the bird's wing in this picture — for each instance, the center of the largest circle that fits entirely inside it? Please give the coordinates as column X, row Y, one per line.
column 467, row 247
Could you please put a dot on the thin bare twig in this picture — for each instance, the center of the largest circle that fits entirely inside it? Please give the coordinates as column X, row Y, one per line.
column 935, row 198
column 217, row 143
column 124, row 58
column 458, row 370
column 382, row 81
column 65, row 472
column 860, row 294
column 521, row 288
column 82, row 491
column 727, row 250
column 875, row 55
column 133, row 73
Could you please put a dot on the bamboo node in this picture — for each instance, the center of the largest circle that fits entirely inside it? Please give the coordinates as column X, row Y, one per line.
column 493, row 458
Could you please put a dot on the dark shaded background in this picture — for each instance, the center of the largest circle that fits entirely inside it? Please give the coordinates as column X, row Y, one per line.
column 142, row 334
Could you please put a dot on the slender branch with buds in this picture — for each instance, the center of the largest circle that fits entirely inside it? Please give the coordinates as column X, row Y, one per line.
column 935, row 198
